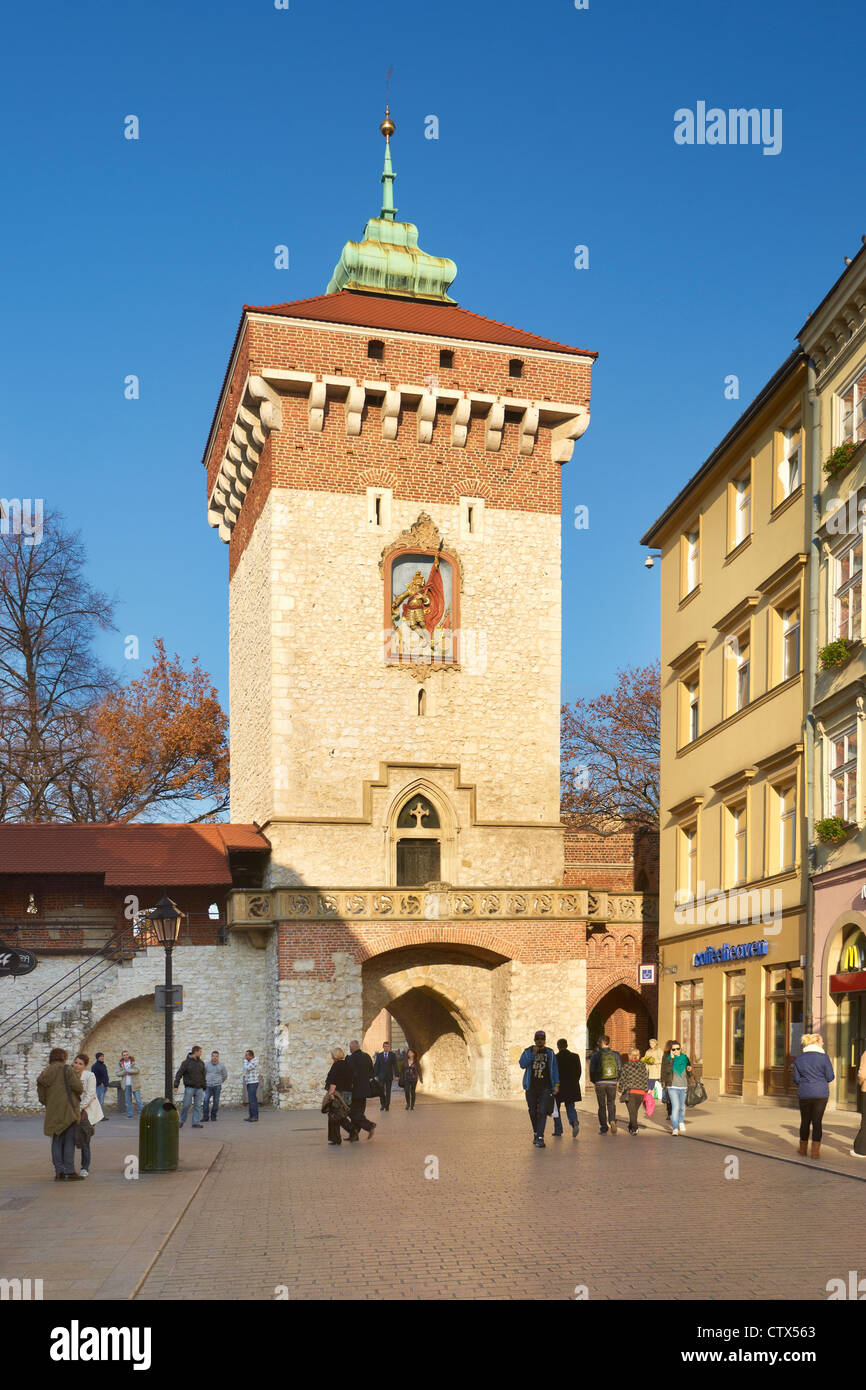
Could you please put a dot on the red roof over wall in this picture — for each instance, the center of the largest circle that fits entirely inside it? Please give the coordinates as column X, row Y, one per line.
column 128, row 855
column 411, row 316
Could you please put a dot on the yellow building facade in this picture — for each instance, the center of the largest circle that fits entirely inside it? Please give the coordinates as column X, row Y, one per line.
column 735, row 559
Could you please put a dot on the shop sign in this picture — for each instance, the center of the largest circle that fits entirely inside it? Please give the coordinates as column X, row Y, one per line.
column 713, row 955
column 16, row 962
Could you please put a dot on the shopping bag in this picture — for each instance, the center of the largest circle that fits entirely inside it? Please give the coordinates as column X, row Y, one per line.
column 649, row 1102
column 658, row 1091
column 695, row 1093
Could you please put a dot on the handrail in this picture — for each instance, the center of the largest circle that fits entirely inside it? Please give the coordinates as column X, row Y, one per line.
column 95, row 964
column 98, row 961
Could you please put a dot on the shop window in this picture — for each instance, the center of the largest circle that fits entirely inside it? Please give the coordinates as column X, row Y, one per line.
column 735, row 1041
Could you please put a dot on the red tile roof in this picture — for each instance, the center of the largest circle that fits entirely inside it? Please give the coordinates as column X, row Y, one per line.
column 128, row 855
column 411, row 316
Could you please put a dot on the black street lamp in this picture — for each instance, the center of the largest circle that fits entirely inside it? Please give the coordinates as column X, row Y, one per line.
column 166, row 919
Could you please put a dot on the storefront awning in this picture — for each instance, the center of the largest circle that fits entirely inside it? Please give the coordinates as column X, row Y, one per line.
column 853, row 983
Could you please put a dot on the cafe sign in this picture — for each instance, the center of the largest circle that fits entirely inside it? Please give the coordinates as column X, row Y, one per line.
column 715, row 955
column 16, row 961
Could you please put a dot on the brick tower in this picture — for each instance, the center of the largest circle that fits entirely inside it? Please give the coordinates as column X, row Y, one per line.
column 385, row 469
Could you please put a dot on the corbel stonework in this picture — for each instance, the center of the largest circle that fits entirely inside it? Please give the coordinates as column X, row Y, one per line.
column 426, row 416
column 493, row 426
column 355, row 400
column 259, row 412
column 390, row 414
column 460, row 422
column 316, row 406
column 528, row 429
column 563, row 436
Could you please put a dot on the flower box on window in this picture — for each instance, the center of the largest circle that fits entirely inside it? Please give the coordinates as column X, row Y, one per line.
column 836, row 653
column 840, row 459
column 832, row 830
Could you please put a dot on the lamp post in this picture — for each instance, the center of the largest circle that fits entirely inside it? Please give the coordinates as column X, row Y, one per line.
column 165, row 919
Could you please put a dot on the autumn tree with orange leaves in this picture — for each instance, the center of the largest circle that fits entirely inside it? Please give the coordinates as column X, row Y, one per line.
column 75, row 745
column 610, row 754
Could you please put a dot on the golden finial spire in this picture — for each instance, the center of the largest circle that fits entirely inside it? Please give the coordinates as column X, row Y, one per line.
column 387, row 127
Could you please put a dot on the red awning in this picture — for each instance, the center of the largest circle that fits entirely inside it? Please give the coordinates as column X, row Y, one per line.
column 854, row 983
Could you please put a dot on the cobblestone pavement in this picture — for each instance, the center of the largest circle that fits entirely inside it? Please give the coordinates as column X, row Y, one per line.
column 93, row 1239
column 627, row 1218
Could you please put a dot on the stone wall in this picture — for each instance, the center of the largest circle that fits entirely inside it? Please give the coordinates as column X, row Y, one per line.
column 226, row 1006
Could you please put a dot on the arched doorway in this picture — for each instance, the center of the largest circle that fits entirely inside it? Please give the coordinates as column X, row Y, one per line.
column 137, row 1027
column 448, row 1000
column 624, row 1017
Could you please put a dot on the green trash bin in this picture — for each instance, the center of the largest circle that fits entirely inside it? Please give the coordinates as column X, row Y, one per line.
column 158, row 1133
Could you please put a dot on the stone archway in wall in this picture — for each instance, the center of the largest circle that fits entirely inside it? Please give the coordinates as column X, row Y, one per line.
column 622, row 1014
column 136, row 1026
column 451, row 1002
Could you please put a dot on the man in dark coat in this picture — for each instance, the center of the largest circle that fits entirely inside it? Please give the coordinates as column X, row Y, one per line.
column 192, row 1073
column 569, row 1088
column 385, row 1070
column 361, row 1064
column 59, row 1089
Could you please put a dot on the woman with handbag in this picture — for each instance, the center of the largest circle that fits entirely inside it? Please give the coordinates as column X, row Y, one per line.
column 675, row 1072
column 91, row 1111
column 339, row 1083
column 634, row 1083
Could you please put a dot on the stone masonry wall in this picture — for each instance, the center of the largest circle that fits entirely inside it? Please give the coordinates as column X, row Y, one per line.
column 226, row 1006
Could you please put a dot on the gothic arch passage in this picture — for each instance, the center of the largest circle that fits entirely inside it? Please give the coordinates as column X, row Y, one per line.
column 446, row 999
column 622, row 1014
column 136, row 1026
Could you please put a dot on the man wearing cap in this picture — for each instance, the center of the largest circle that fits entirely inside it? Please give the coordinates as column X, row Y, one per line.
column 541, row 1084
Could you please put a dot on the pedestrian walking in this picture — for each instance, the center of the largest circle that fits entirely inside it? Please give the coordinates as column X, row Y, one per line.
column 410, row 1075
column 813, row 1072
column 541, row 1084
column 604, row 1069
column 362, row 1074
column 859, row 1149
column 653, row 1059
column 570, row 1070
column 103, row 1080
column 59, row 1089
column 214, row 1075
column 192, row 1073
column 385, row 1070
column 339, row 1084
column 251, row 1085
column 91, row 1110
column 128, row 1071
column 675, row 1072
column 634, row 1082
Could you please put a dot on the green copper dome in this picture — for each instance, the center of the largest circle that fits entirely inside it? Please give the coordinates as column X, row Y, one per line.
column 389, row 260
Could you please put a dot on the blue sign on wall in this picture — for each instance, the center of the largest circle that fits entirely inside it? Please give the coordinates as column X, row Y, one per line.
column 714, row 955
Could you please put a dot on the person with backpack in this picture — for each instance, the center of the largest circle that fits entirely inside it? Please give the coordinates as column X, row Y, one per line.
column 634, row 1082
column 604, row 1070
column 541, row 1084
column 569, row 1066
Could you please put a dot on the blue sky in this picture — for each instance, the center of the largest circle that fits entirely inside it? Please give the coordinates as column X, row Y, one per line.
column 259, row 127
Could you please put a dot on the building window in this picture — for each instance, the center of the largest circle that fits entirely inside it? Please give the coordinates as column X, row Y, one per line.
column 787, row 804
column 852, row 412
column 741, row 510
column 32, row 905
column 737, row 860
column 790, row 463
column 790, row 617
column 691, row 560
column 848, row 587
column 515, row 367
column 692, row 703
column 742, row 673
column 376, row 350
column 842, row 789
column 784, row 1027
column 690, row 1018
column 446, row 357
column 379, row 508
column 687, row 867
column 737, row 672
